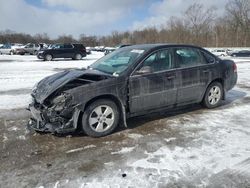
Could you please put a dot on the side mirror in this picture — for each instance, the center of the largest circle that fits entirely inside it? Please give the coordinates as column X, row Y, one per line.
column 211, row 60
column 144, row 70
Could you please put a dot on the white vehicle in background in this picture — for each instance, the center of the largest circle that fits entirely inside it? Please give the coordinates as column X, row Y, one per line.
column 88, row 50
column 6, row 49
column 220, row 52
column 15, row 46
column 99, row 48
column 108, row 50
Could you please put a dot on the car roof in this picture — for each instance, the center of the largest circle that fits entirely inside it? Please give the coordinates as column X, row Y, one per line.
column 243, row 51
column 160, row 45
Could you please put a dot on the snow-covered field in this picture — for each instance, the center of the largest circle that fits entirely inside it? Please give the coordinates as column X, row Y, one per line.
column 193, row 147
column 18, row 74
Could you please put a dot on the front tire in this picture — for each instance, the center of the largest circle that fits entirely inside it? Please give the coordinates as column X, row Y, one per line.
column 100, row 118
column 48, row 57
column 213, row 95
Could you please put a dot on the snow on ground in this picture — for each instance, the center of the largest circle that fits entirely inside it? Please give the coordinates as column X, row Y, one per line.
column 197, row 148
column 14, row 101
column 18, row 74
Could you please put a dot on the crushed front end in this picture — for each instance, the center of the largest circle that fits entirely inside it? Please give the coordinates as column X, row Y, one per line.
column 55, row 114
column 56, row 102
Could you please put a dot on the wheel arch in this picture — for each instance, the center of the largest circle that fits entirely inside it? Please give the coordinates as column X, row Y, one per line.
column 221, row 81
column 111, row 97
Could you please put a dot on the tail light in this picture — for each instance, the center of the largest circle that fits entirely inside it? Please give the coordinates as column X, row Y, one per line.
column 234, row 67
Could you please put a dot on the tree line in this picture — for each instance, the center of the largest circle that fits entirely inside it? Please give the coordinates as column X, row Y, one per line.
column 198, row 25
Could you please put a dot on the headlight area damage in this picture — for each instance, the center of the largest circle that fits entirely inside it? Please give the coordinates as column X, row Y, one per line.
column 53, row 106
column 56, row 115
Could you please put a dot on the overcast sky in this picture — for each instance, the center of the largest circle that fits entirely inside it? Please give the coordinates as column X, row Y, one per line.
column 91, row 17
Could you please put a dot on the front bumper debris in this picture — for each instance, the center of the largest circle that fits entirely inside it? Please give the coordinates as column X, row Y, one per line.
column 39, row 126
column 46, row 120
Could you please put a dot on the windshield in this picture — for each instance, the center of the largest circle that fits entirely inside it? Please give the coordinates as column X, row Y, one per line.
column 118, row 61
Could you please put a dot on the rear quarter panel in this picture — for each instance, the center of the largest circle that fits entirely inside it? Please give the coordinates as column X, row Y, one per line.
column 230, row 76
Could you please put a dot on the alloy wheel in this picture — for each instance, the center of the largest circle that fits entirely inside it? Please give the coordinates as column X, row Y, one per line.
column 101, row 118
column 214, row 95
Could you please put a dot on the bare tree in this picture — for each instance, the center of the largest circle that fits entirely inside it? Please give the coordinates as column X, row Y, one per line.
column 238, row 12
column 200, row 21
column 65, row 39
column 198, row 25
column 88, row 40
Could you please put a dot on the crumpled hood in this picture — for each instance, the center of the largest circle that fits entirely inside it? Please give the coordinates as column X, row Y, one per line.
column 51, row 83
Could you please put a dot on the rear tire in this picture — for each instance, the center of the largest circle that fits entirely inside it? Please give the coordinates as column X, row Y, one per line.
column 100, row 118
column 213, row 95
column 48, row 57
column 78, row 57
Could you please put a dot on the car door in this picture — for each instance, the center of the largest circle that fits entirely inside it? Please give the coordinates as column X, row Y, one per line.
column 68, row 51
column 153, row 84
column 58, row 51
column 194, row 74
column 28, row 48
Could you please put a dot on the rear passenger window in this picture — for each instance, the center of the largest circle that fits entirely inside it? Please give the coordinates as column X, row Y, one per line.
column 68, row 46
column 189, row 57
column 209, row 58
column 78, row 45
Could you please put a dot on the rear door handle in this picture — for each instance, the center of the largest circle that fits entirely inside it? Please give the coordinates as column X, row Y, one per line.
column 170, row 77
column 206, row 71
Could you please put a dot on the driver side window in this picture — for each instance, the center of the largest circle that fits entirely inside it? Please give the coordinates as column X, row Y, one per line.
column 156, row 62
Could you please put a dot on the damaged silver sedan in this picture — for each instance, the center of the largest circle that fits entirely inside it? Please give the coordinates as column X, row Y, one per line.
column 131, row 81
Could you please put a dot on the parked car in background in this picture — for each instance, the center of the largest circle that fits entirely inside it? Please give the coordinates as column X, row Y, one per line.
column 15, row 46
column 6, row 49
column 242, row 53
column 88, row 50
column 111, row 49
column 108, row 50
column 220, row 52
column 99, row 48
column 29, row 48
column 74, row 51
column 131, row 81
column 43, row 46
